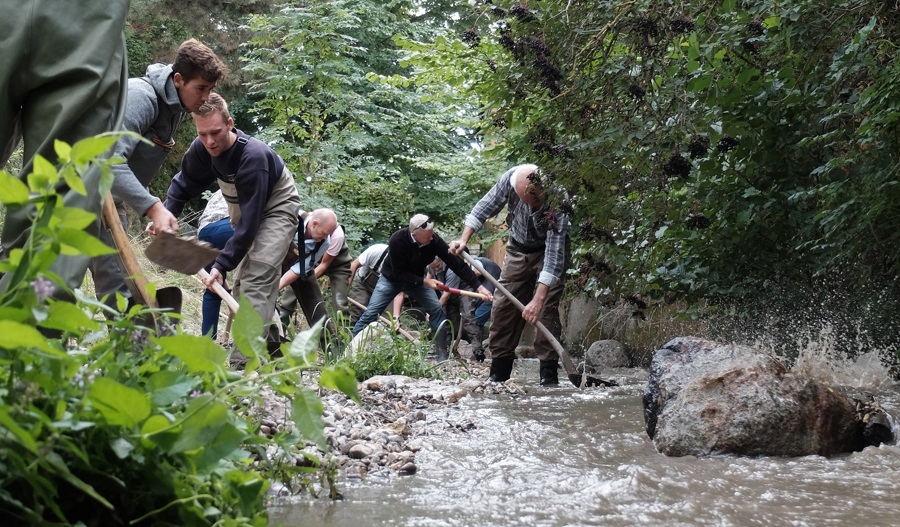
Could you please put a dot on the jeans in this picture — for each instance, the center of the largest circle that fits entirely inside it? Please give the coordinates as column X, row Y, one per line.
column 384, row 294
column 216, row 234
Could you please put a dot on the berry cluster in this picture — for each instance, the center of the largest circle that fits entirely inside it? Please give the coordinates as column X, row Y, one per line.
column 682, row 25
column 637, row 92
column 587, row 232
column 755, row 27
column 471, row 38
column 697, row 221
column 521, row 12
column 699, row 146
column 646, row 27
column 678, row 166
column 727, row 144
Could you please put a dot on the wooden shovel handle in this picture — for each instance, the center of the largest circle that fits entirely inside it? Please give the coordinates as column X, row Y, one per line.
column 455, row 291
column 402, row 331
column 563, row 354
column 132, row 267
column 221, row 291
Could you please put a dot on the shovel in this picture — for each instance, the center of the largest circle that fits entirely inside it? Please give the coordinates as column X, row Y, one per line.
column 455, row 291
column 168, row 298
column 578, row 379
column 188, row 256
column 382, row 318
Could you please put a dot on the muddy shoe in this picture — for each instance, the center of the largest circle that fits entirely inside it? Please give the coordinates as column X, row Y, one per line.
column 237, row 360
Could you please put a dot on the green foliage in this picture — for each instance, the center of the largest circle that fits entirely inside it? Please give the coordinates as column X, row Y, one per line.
column 392, row 356
column 377, row 151
column 710, row 147
column 102, row 422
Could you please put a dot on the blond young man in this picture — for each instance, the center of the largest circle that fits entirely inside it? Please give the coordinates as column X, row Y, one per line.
column 262, row 204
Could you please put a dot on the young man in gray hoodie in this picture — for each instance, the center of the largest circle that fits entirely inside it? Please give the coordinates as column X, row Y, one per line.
column 157, row 104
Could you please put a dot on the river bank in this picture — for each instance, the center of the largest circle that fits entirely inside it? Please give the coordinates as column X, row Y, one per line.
column 381, row 438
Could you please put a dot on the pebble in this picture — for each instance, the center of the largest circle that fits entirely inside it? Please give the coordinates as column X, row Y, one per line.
column 381, row 437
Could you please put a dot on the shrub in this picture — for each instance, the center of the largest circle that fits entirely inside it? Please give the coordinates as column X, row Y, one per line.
column 104, row 422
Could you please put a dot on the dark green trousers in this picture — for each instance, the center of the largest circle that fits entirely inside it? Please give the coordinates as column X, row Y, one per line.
column 63, row 76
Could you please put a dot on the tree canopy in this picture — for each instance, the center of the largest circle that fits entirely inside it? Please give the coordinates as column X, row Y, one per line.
column 709, row 147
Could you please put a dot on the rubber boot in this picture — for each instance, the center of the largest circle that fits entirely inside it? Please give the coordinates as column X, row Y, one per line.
column 478, row 351
column 285, row 317
column 442, row 343
column 501, row 369
column 549, row 369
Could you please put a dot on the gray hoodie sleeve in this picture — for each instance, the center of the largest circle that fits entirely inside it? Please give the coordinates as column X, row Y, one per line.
column 140, row 112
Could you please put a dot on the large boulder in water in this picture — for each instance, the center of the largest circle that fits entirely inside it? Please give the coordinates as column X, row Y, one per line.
column 705, row 398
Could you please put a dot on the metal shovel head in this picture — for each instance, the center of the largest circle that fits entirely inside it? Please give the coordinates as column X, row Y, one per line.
column 186, row 254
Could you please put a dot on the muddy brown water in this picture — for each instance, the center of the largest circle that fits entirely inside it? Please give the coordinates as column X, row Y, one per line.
column 564, row 457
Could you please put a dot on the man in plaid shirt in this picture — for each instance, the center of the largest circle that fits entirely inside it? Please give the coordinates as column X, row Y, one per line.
column 534, row 267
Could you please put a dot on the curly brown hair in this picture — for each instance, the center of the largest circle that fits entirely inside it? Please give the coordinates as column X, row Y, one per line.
column 196, row 60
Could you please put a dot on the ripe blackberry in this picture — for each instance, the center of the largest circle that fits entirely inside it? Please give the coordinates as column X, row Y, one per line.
column 727, row 144
column 471, row 37
column 521, row 12
column 538, row 46
column 586, row 230
column 637, row 92
column 645, row 26
column 699, row 146
column 697, row 221
column 492, row 66
column 507, row 42
column 499, row 123
column 750, row 46
column 682, row 25
column 549, row 70
column 567, row 207
column 678, row 166
column 756, row 28
column 498, row 12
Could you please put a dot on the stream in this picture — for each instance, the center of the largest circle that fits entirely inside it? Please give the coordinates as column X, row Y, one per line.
column 564, row 457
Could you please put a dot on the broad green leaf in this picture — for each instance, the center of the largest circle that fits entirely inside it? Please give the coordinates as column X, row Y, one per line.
column 74, row 241
column 119, row 404
column 74, row 181
column 169, row 386
column 121, row 447
column 66, row 316
column 43, row 174
column 56, row 464
column 247, row 330
column 74, row 217
column 16, row 335
column 305, row 346
column 12, row 190
column 22, row 435
column 92, row 147
column 204, row 419
column 222, row 445
column 157, row 431
column 63, row 150
column 341, row 378
column 306, row 410
column 249, row 486
column 199, row 354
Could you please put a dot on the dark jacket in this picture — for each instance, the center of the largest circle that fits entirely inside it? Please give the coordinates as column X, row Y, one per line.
column 406, row 260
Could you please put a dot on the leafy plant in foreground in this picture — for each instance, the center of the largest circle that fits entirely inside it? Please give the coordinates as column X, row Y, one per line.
column 103, row 422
